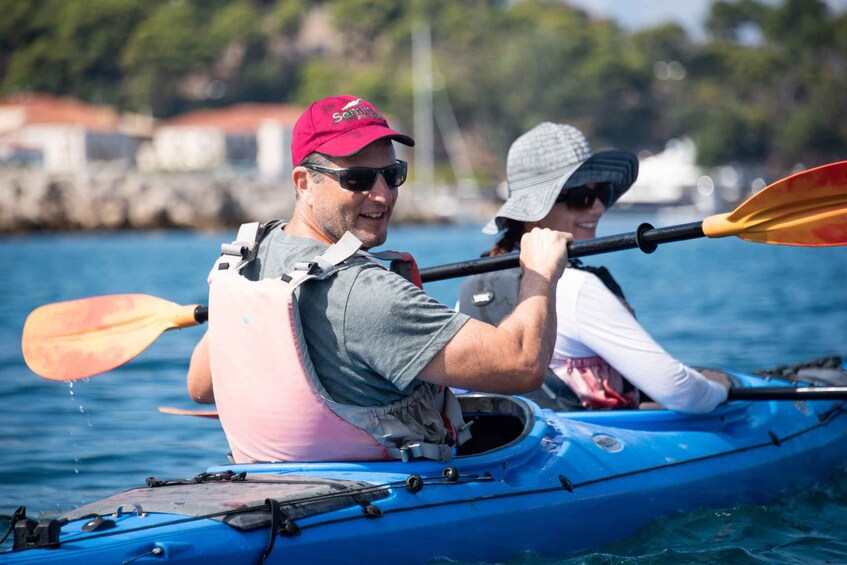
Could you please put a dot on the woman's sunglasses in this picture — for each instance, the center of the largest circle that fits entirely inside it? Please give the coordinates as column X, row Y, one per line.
column 362, row 179
column 583, row 197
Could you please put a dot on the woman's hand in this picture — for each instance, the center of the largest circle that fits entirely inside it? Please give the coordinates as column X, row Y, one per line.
column 717, row 376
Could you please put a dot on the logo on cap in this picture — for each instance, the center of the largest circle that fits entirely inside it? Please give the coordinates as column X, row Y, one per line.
column 352, row 103
column 353, row 109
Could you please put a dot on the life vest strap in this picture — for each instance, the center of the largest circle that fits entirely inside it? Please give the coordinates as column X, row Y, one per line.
column 403, row 264
column 327, row 263
column 435, row 452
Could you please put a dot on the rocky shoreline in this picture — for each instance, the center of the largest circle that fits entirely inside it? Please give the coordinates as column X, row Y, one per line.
column 32, row 200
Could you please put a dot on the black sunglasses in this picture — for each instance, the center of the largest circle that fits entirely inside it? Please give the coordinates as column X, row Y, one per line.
column 583, row 197
column 362, row 179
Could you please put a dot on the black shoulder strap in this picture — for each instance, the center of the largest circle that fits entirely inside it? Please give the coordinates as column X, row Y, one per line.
column 266, row 228
column 261, row 233
column 603, row 274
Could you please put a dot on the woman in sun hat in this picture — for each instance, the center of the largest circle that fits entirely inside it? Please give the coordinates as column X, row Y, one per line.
column 603, row 357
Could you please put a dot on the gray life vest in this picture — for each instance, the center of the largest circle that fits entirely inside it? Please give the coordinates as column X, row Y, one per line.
column 490, row 297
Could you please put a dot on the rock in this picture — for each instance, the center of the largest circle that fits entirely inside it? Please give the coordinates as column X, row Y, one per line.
column 116, row 198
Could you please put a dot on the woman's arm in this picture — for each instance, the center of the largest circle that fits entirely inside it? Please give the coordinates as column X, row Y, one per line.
column 604, row 325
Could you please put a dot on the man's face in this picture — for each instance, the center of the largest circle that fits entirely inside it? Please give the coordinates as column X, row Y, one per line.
column 364, row 214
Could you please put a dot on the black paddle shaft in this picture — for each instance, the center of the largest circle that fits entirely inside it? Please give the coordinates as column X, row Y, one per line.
column 201, row 314
column 646, row 238
column 789, row 393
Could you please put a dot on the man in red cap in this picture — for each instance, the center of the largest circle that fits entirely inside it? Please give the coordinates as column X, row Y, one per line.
column 374, row 338
column 348, row 130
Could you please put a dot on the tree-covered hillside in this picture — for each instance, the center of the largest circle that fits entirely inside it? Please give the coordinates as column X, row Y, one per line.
column 766, row 87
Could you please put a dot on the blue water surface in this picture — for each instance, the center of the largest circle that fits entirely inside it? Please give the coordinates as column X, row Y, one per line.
column 708, row 302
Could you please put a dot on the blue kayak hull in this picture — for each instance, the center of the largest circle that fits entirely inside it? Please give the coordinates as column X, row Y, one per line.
column 567, row 482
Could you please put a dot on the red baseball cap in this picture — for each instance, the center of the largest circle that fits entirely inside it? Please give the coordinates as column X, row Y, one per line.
column 340, row 126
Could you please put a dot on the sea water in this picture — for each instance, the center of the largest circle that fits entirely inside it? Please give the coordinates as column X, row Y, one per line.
column 708, row 302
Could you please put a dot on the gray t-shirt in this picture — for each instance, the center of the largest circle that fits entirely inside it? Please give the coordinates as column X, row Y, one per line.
column 369, row 331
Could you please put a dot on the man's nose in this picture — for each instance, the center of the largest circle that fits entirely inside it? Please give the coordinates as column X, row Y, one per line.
column 380, row 191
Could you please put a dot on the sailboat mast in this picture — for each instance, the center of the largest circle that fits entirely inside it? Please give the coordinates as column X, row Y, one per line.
column 423, row 128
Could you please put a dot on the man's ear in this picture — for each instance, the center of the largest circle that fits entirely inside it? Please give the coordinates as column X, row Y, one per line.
column 302, row 182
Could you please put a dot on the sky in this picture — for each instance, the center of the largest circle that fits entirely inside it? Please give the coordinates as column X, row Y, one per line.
column 638, row 14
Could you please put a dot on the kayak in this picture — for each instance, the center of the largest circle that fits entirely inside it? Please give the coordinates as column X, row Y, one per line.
column 530, row 480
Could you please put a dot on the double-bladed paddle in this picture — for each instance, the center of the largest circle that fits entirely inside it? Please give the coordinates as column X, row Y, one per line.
column 71, row 340
column 80, row 338
column 749, row 393
column 808, row 209
column 211, row 414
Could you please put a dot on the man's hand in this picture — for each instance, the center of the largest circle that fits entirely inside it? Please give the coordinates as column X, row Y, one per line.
column 545, row 252
column 510, row 358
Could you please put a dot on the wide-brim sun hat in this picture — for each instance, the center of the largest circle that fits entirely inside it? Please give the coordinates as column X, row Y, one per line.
column 340, row 126
column 551, row 158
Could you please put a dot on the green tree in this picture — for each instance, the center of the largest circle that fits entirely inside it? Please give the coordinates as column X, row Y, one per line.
column 73, row 48
column 766, row 86
column 161, row 52
column 21, row 25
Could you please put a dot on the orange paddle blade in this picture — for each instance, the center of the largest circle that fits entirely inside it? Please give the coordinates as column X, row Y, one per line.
column 182, row 412
column 76, row 339
column 807, row 209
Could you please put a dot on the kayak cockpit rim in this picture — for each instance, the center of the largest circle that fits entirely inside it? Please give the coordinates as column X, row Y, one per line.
column 498, row 421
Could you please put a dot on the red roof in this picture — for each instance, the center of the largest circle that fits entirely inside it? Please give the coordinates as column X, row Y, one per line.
column 49, row 109
column 239, row 118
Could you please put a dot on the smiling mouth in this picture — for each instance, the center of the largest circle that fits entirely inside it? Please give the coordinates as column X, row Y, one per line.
column 373, row 215
column 587, row 225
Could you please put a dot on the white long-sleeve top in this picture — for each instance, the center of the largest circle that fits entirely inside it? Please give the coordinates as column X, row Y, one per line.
column 593, row 321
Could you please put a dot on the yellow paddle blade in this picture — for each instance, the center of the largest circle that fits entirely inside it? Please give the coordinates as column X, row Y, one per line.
column 183, row 412
column 807, row 209
column 76, row 339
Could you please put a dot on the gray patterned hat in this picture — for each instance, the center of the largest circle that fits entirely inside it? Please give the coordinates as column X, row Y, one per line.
column 550, row 158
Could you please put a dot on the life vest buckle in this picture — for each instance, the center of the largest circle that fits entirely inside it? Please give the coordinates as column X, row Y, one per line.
column 407, row 452
column 319, row 269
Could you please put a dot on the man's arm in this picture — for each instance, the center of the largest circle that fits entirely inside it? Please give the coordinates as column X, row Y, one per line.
column 511, row 358
column 199, row 379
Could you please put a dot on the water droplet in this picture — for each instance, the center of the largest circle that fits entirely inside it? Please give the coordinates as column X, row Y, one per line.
column 81, row 409
column 76, row 471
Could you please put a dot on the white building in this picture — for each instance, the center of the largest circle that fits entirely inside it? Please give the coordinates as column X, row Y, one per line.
column 240, row 137
column 63, row 134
